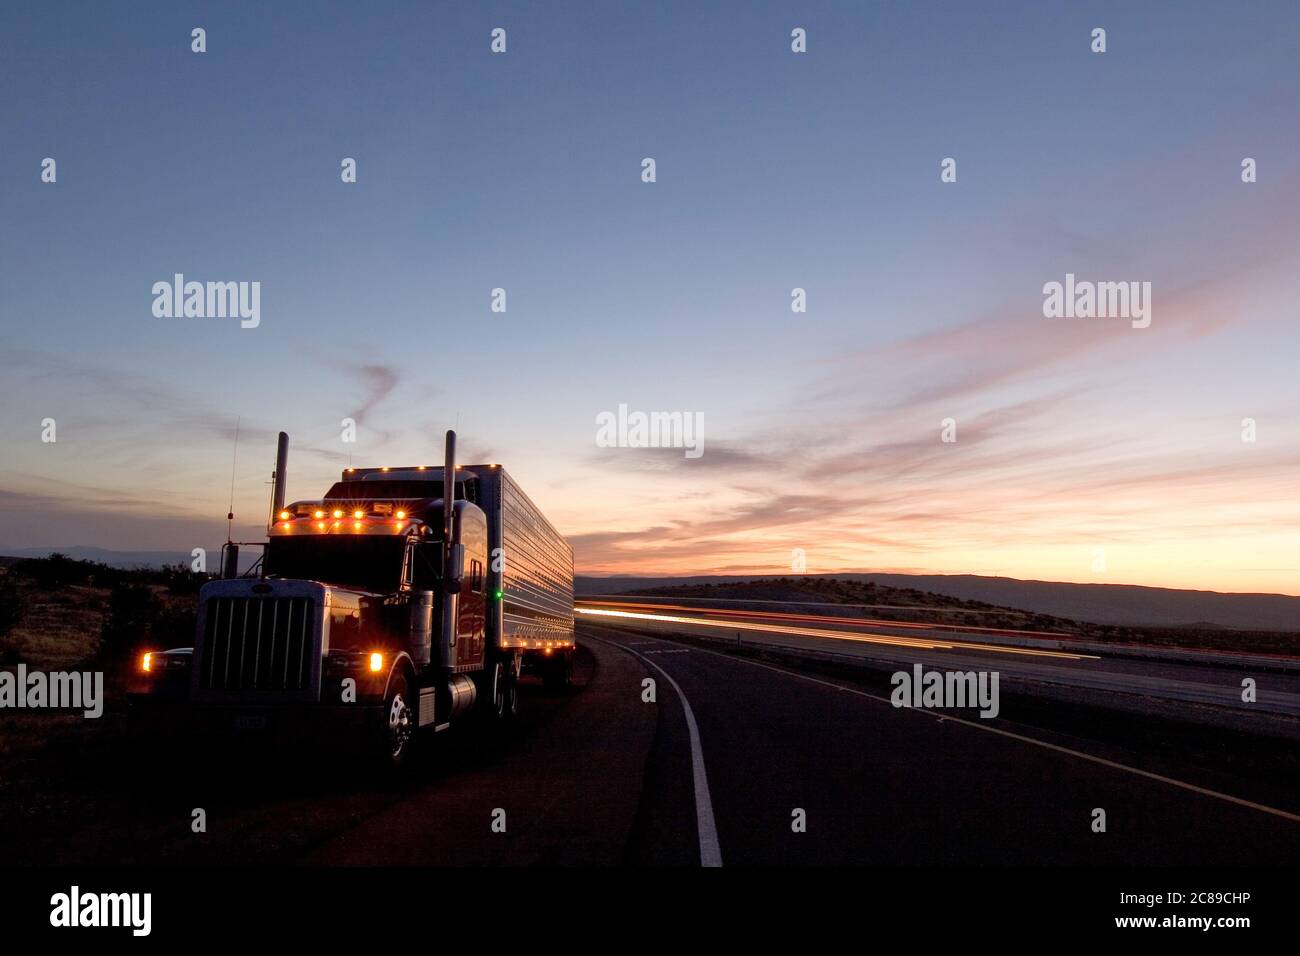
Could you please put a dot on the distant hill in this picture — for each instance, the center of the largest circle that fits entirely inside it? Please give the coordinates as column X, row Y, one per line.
column 1110, row 604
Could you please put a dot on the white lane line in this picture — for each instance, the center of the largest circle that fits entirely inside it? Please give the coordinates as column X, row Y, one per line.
column 1203, row 791
column 710, row 851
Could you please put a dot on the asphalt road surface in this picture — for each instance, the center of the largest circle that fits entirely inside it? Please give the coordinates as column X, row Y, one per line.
column 1167, row 674
column 881, row 785
column 718, row 770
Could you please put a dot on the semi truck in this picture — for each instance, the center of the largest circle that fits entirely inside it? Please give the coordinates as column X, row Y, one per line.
column 403, row 600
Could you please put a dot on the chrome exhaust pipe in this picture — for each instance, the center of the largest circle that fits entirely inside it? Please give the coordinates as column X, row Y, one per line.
column 279, row 478
column 448, row 487
column 450, row 593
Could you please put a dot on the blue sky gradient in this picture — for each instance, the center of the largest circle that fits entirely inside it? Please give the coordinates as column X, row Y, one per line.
column 775, row 170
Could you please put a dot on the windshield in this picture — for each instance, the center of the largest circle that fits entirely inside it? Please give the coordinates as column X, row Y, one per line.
column 364, row 562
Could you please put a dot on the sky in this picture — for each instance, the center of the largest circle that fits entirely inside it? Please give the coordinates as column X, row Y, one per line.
column 1086, row 449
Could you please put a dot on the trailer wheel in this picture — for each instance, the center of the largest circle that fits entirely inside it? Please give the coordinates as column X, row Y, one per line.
column 399, row 722
column 559, row 672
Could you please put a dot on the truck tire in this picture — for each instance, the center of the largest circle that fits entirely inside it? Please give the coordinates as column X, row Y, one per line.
column 558, row 675
column 505, row 693
column 512, row 694
column 398, row 730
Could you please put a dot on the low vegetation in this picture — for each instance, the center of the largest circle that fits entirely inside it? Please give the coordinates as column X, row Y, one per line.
column 59, row 613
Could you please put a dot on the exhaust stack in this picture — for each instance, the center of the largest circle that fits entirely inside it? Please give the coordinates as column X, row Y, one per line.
column 448, row 487
column 451, row 557
column 279, row 477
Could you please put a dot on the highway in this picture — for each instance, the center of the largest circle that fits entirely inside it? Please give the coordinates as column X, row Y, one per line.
column 715, row 771
column 882, row 785
column 1045, row 660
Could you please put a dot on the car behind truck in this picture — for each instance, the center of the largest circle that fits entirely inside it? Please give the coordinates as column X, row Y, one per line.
column 402, row 600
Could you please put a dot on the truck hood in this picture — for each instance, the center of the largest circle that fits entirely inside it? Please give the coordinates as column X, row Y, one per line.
column 325, row 595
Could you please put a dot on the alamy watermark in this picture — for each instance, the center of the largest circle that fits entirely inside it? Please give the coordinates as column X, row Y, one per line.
column 60, row 690
column 208, row 300
column 626, row 429
column 1098, row 300
column 75, row 908
column 921, row 688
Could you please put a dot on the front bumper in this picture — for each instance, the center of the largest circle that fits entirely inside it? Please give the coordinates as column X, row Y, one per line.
column 299, row 724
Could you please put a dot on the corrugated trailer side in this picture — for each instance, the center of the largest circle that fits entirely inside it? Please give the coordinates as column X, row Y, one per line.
column 535, row 574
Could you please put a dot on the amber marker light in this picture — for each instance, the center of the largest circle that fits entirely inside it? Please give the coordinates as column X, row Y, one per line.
column 376, row 661
column 146, row 662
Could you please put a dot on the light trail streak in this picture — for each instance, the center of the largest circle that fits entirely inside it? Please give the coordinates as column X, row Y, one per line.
column 856, row 636
column 859, row 621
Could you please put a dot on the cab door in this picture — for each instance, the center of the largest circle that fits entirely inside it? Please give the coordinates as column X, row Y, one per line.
column 471, row 617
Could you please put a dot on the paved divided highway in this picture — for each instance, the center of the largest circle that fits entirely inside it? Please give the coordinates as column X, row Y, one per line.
column 717, row 770
column 1047, row 659
column 881, row 785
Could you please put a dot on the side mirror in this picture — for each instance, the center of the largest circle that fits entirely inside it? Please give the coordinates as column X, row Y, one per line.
column 454, row 574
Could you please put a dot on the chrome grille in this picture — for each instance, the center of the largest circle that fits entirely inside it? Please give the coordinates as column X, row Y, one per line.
column 254, row 643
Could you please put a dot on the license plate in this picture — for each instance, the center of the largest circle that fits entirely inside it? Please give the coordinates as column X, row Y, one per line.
column 250, row 722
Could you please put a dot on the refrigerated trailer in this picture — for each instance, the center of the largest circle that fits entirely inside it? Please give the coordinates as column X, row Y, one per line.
column 402, row 600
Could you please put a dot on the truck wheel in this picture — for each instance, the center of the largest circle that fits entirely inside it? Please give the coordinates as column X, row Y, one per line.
column 505, row 693
column 559, row 673
column 399, row 723
column 512, row 695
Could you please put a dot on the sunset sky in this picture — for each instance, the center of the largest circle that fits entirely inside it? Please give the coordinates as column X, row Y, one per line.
column 1077, row 439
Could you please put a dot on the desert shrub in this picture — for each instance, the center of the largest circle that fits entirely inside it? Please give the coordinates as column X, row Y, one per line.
column 133, row 612
column 181, row 580
column 175, row 626
column 13, row 607
column 58, row 570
